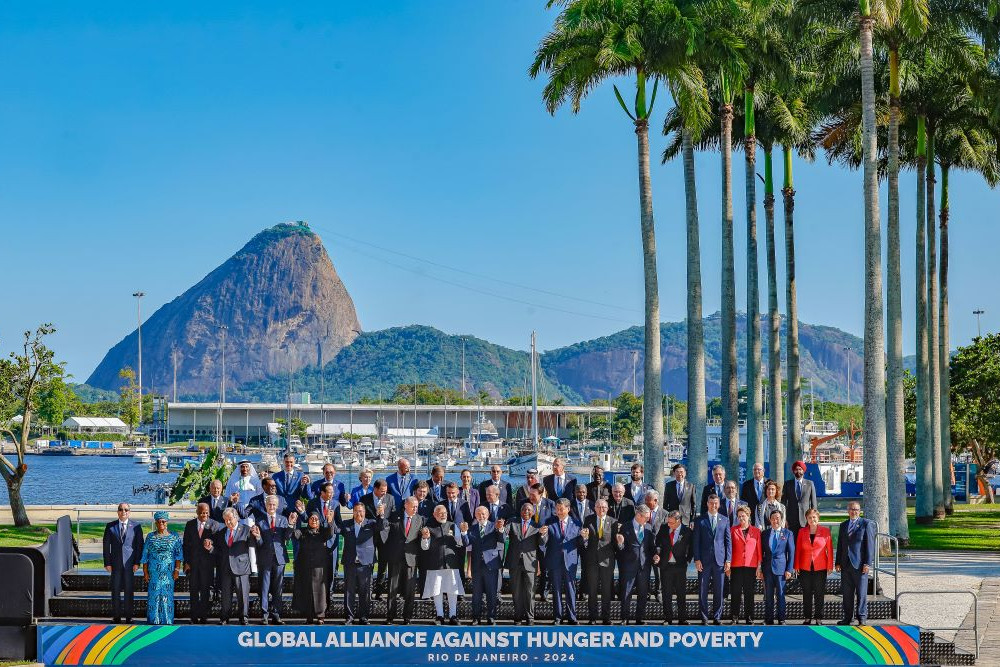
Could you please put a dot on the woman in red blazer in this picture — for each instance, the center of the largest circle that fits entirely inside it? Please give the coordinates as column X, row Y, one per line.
column 745, row 566
column 813, row 561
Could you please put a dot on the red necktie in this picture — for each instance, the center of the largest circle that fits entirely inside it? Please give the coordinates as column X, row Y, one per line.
column 524, row 528
column 200, row 527
column 407, row 531
column 230, row 540
column 272, row 523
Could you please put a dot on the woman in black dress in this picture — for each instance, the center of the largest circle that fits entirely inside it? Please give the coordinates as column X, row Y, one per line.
column 312, row 568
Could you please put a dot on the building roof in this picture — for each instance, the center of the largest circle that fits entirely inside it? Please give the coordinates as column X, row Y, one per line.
column 94, row 422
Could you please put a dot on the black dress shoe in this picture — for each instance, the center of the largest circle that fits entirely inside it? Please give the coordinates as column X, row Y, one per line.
column 116, row 621
column 277, row 621
column 320, row 621
column 439, row 620
column 490, row 621
column 748, row 621
column 363, row 621
column 557, row 621
column 223, row 622
column 716, row 622
column 781, row 622
column 453, row 621
column 704, row 621
column 475, row 621
column 128, row 621
column 405, row 621
column 348, row 621
column 842, row 622
column 571, row 622
column 861, row 621
column 244, row 620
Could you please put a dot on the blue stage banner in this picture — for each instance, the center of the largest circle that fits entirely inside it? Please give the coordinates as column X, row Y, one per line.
column 386, row 646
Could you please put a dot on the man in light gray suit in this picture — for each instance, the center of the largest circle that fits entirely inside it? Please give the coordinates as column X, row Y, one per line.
column 798, row 493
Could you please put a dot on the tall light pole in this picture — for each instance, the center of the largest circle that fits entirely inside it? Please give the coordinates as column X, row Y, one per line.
column 979, row 312
column 173, row 357
column 635, row 359
column 463, row 368
column 138, row 316
column 222, row 386
column 847, row 352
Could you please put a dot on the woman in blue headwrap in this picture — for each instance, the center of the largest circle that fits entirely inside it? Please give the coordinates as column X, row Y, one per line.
column 161, row 565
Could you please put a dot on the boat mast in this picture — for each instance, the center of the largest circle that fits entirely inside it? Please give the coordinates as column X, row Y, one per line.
column 534, row 396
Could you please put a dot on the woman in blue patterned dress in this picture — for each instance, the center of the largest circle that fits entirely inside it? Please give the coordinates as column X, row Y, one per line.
column 161, row 565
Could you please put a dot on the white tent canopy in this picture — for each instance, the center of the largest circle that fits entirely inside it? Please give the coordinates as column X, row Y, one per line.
column 95, row 425
column 329, row 430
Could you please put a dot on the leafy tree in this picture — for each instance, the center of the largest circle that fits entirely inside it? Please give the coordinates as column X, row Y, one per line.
column 975, row 399
column 54, row 402
column 24, row 375
column 128, row 398
column 299, row 428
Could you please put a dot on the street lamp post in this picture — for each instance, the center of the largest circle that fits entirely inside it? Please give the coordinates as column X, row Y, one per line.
column 979, row 312
column 847, row 352
column 138, row 315
column 222, row 386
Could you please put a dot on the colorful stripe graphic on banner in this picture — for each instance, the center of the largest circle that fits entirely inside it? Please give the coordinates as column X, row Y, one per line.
column 875, row 646
column 99, row 644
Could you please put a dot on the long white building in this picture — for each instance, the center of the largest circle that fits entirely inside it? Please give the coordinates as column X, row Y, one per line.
column 248, row 422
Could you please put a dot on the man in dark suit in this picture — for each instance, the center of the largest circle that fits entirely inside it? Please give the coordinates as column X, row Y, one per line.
column 620, row 508
column 403, row 554
column 506, row 494
column 122, row 546
column 486, row 560
column 425, row 504
column 380, row 496
column 636, row 489
column 435, row 485
column 199, row 565
column 272, row 557
column 256, row 508
column 329, row 475
column 731, row 502
column 678, row 494
column 777, row 565
column 657, row 517
column 358, row 558
column 290, row 484
column 521, row 561
column 458, row 510
column 323, row 504
column 524, row 491
column 798, row 495
column 636, row 547
column 717, row 487
column 402, row 482
column 713, row 554
column 581, row 507
column 599, row 560
column 232, row 545
column 752, row 492
column 559, row 484
column 497, row 509
column 562, row 558
column 216, row 502
column 855, row 559
column 544, row 510
column 674, row 549
column 597, row 488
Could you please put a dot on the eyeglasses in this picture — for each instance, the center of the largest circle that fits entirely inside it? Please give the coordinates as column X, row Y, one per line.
column 124, row 509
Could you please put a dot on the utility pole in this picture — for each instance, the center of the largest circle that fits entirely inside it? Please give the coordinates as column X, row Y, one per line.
column 534, row 396
column 979, row 312
column 173, row 356
column 635, row 359
column 222, row 386
column 138, row 314
column 463, row 367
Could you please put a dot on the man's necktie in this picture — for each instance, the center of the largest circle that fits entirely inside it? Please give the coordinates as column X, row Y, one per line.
column 229, row 540
column 524, row 528
column 774, row 541
column 482, row 530
column 272, row 523
column 121, row 532
column 600, row 529
column 201, row 527
column 406, row 531
column 562, row 529
column 559, row 486
column 712, row 519
column 798, row 490
column 536, row 515
column 641, row 534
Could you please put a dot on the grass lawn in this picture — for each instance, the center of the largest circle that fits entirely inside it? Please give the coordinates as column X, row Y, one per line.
column 11, row 536
column 970, row 528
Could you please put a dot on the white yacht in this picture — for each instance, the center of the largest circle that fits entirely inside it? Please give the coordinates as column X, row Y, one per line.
column 314, row 461
column 141, row 455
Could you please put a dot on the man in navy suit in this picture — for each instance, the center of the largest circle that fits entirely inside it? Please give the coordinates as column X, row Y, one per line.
column 291, row 484
column 559, row 484
column 777, row 565
column 380, row 496
column 562, row 557
column 713, row 553
column 486, row 558
column 359, row 558
column 329, row 475
column 216, row 502
column 636, row 548
column 272, row 557
column 256, row 508
column 752, row 492
column 232, row 545
column 717, row 487
column 404, row 551
column 122, row 551
column 581, row 507
column 636, row 489
column 199, row 565
column 498, row 510
column 402, row 482
column 506, row 494
column 678, row 494
column 855, row 558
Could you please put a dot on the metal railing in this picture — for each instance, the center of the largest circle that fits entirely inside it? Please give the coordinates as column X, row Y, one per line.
column 894, row 553
column 975, row 613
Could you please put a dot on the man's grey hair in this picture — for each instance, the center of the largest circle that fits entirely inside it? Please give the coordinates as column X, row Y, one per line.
column 564, row 502
column 229, row 511
column 618, row 487
column 271, row 500
column 412, row 500
column 718, row 466
column 674, row 514
column 642, row 509
column 601, row 503
column 652, row 494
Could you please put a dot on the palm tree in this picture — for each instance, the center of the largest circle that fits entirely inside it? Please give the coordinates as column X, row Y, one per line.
column 926, row 472
column 594, row 40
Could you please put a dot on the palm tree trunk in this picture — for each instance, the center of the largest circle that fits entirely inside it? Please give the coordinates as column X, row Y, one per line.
column 791, row 317
column 933, row 376
column 697, row 437
column 652, row 422
column 926, row 472
column 876, row 492
column 729, row 449
column 776, row 445
column 755, row 426
column 895, row 428
column 943, row 353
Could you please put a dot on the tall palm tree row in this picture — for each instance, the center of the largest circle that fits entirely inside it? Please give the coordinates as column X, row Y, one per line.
column 755, row 427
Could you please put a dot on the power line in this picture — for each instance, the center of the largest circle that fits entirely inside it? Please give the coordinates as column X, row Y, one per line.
column 478, row 275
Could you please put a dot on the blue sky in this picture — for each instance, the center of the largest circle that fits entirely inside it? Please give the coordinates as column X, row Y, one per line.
column 144, row 143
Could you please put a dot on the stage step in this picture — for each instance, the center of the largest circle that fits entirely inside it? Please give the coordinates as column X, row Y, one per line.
column 935, row 651
column 97, row 604
column 99, row 580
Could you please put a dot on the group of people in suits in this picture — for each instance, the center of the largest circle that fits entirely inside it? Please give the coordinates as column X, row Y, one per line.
column 410, row 537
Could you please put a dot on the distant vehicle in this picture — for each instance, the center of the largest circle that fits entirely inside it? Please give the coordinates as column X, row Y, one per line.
column 141, row 455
